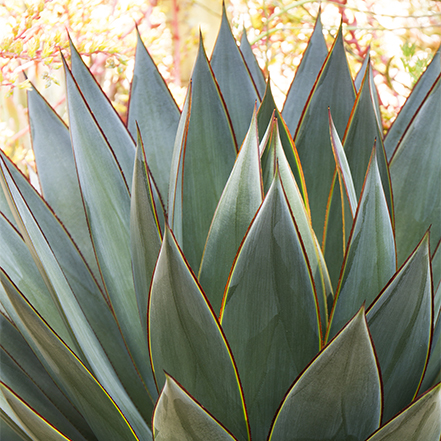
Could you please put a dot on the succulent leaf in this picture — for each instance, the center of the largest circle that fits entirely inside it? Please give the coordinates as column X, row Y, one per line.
column 341, row 385
column 112, row 126
column 156, row 113
column 412, row 104
column 23, row 373
column 420, row 421
column 107, row 204
column 145, row 233
column 312, row 61
column 400, row 325
column 57, row 174
column 334, row 89
column 252, row 65
column 269, row 313
column 274, row 159
column 418, row 155
column 35, row 424
column 237, row 206
column 101, row 412
column 204, row 154
column 187, row 342
column 178, row 416
column 370, row 259
column 234, row 79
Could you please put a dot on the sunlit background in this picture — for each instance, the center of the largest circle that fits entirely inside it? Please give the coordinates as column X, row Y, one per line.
column 402, row 36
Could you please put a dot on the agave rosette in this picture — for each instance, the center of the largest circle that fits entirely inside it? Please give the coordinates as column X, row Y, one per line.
column 228, row 271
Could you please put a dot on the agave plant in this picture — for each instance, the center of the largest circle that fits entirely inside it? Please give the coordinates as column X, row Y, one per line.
column 228, row 271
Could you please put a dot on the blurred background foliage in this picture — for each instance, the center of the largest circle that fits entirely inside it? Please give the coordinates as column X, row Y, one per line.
column 402, row 36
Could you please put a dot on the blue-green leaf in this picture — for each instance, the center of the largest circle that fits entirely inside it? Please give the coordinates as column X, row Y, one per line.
column 237, row 206
column 400, row 325
column 107, row 203
column 234, row 79
column 112, row 126
column 56, row 172
column 178, row 416
column 145, row 233
column 412, row 104
column 333, row 89
column 34, row 423
column 100, row 411
column 420, row 421
column 187, row 342
column 270, row 312
column 370, row 257
column 312, row 61
column 252, row 65
column 273, row 156
column 155, row 111
column 204, row 154
column 415, row 170
column 338, row 397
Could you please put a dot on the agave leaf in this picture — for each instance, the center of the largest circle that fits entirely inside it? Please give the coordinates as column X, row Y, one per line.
column 333, row 88
column 272, row 158
column 252, row 65
column 412, row 104
column 237, row 206
column 178, row 416
column 155, row 111
column 16, row 260
column 92, row 326
column 35, row 424
column 400, row 322
column 436, row 278
column 265, row 117
column 93, row 402
column 420, row 421
column 361, row 133
column 56, row 172
column 203, row 157
column 433, row 369
column 107, row 202
column 367, row 66
column 343, row 169
column 370, row 259
column 107, row 118
column 341, row 209
column 186, row 340
column 145, row 234
column 22, row 372
column 415, row 170
column 312, row 61
column 270, row 312
column 9, row 429
column 342, row 385
column 234, row 80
